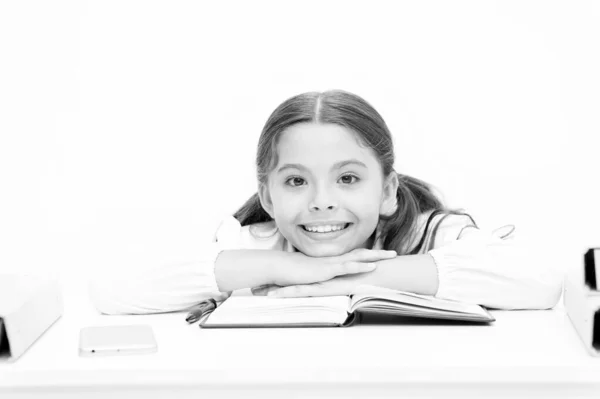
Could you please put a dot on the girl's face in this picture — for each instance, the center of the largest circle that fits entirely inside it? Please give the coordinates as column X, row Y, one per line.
column 326, row 192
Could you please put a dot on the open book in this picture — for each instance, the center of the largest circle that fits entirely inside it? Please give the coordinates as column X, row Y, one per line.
column 245, row 310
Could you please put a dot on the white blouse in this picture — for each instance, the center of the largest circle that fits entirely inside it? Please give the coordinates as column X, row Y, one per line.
column 488, row 267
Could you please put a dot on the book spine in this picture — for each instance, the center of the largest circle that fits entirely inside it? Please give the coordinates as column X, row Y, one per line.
column 353, row 318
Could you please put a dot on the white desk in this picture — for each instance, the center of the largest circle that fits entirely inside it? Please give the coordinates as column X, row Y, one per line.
column 523, row 354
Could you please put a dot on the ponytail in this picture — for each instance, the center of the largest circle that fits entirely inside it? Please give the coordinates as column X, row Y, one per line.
column 252, row 212
column 413, row 197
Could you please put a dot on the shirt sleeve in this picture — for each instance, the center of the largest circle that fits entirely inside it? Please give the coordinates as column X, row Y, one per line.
column 492, row 268
column 169, row 287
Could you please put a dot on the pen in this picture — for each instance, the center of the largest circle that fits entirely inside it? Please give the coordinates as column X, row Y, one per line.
column 203, row 308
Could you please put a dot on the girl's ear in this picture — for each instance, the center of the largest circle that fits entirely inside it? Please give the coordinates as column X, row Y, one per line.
column 265, row 199
column 389, row 202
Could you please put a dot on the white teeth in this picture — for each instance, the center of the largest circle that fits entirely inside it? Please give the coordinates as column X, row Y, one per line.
column 324, row 229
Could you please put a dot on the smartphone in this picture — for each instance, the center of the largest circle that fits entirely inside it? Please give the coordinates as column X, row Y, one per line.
column 116, row 340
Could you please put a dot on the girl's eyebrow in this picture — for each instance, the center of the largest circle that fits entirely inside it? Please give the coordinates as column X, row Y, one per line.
column 356, row 162
column 337, row 165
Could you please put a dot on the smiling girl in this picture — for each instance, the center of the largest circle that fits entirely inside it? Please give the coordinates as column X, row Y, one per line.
column 331, row 213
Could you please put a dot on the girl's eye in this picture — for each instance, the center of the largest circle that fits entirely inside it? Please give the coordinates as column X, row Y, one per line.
column 348, row 179
column 295, row 181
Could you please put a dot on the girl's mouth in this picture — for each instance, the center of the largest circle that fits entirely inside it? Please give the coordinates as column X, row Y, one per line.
column 326, row 228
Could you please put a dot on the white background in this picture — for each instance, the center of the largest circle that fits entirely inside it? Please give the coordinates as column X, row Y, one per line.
column 129, row 128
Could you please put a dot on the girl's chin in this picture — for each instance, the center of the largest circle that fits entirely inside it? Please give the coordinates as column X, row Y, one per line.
column 323, row 252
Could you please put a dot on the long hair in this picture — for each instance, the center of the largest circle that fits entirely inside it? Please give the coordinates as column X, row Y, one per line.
column 339, row 107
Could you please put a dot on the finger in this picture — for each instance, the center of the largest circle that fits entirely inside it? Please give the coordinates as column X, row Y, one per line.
column 258, row 291
column 371, row 255
column 262, row 290
column 341, row 269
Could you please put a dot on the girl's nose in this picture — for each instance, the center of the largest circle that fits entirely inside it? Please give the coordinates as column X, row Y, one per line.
column 320, row 208
column 321, row 201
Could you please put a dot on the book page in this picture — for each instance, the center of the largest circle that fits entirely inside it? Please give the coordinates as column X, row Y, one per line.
column 373, row 297
column 262, row 310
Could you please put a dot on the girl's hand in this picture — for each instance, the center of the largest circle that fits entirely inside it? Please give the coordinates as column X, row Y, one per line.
column 304, row 269
column 342, row 285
